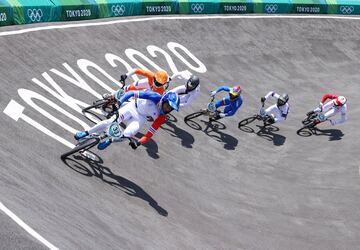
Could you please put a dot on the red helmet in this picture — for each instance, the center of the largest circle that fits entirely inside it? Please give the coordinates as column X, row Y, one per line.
column 235, row 92
column 340, row 101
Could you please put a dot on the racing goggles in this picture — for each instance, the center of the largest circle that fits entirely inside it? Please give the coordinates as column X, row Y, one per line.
column 281, row 101
column 234, row 95
column 159, row 84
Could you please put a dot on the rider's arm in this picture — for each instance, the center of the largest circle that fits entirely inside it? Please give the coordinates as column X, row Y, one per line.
column 273, row 94
column 154, row 127
column 179, row 90
column 222, row 88
column 186, row 100
column 328, row 96
column 155, row 97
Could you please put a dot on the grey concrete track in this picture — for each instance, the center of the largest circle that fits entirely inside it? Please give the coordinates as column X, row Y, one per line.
column 225, row 189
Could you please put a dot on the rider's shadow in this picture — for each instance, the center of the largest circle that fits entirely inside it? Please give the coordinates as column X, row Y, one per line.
column 95, row 168
column 186, row 138
column 334, row 134
column 213, row 130
column 151, row 146
column 267, row 132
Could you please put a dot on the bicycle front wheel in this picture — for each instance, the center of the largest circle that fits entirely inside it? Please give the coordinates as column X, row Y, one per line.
column 84, row 145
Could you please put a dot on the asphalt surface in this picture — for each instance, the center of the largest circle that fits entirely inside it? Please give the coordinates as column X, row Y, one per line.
column 204, row 188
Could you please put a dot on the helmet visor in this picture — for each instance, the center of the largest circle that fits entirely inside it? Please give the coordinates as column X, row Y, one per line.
column 281, row 101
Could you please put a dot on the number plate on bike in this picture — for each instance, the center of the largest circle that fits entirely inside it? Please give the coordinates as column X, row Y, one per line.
column 115, row 131
column 262, row 112
column 321, row 117
column 211, row 107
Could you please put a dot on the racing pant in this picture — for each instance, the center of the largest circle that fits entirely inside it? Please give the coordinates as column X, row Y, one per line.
column 273, row 109
column 128, row 114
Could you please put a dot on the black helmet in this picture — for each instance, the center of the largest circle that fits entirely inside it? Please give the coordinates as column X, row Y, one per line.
column 283, row 100
column 192, row 83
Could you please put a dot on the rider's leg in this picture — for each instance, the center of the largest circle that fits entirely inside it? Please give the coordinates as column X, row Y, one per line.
column 124, row 114
column 134, row 125
column 330, row 113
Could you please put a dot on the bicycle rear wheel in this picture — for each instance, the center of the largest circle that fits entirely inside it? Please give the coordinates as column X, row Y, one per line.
column 96, row 112
column 84, row 145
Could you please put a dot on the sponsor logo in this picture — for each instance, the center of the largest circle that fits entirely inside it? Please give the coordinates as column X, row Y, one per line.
column 197, row 7
column 78, row 13
column 271, row 8
column 3, row 17
column 118, row 10
column 35, row 15
column 347, row 9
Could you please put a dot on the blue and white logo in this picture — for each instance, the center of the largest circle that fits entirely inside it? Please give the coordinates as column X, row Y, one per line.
column 118, row 10
column 347, row 9
column 271, row 8
column 197, row 7
column 35, row 15
column 115, row 131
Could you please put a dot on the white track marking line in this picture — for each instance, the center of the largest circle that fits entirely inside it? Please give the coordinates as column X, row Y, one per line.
column 146, row 19
column 27, row 228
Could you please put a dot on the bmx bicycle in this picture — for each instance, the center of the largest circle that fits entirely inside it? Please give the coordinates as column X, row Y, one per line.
column 261, row 116
column 310, row 123
column 103, row 108
column 113, row 131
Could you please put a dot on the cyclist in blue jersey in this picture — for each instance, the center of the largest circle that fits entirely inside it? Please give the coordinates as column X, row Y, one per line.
column 232, row 102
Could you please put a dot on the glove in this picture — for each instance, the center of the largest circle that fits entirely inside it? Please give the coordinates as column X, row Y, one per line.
column 123, row 78
column 212, row 93
column 263, row 99
column 107, row 96
column 134, row 143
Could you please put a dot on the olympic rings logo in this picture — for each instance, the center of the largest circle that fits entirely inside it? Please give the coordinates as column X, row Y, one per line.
column 35, row 14
column 197, row 8
column 118, row 10
column 347, row 9
column 271, row 8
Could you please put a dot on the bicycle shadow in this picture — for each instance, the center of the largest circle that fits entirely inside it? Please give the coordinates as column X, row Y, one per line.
column 333, row 134
column 96, row 169
column 213, row 130
column 186, row 138
column 265, row 132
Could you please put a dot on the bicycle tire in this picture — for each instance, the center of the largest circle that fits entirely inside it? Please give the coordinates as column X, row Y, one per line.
column 194, row 115
column 247, row 121
column 97, row 105
column 84, row 145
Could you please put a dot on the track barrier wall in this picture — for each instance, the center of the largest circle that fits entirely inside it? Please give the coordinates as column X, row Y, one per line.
column 35, row 11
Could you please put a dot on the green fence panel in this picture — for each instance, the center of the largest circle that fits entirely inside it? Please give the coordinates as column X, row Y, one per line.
column 6, row 13
column 309, row 6
column 114, row 8
column 71, row 10
column 33, row 11
column 344, row 7
column 272, row 6
column 199, row 7
column 158, row 7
